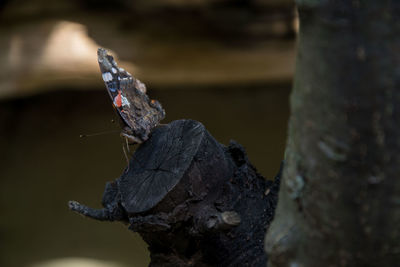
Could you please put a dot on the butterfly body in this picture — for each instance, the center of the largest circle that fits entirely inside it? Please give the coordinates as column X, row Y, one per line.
column 138, row 114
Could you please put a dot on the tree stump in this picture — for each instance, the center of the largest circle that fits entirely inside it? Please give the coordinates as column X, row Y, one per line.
column 194, row 201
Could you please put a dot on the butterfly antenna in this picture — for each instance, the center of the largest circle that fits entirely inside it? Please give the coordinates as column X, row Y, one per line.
column 100, row 133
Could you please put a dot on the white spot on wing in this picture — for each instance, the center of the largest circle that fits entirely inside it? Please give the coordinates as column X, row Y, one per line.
column 107, row 77
column 114, row 70
column 125, row 101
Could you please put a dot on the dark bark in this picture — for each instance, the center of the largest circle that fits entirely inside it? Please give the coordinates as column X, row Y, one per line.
column 194, row 201
column 339, row 204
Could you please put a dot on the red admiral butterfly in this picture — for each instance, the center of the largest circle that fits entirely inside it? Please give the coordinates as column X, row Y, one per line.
column 139, row 115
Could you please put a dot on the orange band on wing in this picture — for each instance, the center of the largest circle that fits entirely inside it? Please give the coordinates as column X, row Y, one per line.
column 118, row 100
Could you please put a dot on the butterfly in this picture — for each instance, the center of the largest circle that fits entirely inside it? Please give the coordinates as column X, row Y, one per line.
column 138, row 114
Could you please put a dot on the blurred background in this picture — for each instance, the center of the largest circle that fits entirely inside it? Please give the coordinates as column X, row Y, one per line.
column 226, row 63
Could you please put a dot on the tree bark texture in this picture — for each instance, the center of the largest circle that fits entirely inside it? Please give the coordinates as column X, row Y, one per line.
column 339, row 203
column 194, row 201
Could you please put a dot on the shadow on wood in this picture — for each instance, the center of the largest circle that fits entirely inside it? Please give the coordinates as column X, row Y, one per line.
column 193, row 200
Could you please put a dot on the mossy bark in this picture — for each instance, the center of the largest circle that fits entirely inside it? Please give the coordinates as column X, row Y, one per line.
column 339, row 203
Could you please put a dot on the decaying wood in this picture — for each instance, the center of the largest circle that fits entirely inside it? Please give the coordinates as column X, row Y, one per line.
column 194, row 201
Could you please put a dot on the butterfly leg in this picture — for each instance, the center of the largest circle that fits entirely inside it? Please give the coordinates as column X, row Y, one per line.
column 126, row 156
column 130, row 138
column 127, row 145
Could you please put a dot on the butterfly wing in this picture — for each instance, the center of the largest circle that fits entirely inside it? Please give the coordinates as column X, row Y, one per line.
column 138, row 113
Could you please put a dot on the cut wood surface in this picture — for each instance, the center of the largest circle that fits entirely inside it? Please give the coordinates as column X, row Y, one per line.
column 194, row 201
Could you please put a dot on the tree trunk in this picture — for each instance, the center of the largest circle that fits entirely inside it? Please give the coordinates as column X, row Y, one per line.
column 339, row 203
column 194, row 201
